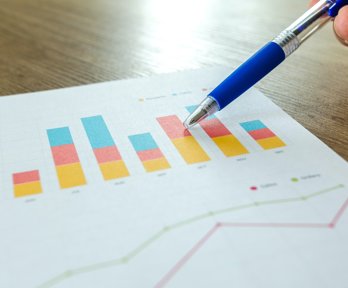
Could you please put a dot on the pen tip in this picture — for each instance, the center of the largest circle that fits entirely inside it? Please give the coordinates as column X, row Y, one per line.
column 197, row 116
column 189, row 123
column 207, row 107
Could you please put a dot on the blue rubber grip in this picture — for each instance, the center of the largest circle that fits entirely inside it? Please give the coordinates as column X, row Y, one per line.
column 248, row 74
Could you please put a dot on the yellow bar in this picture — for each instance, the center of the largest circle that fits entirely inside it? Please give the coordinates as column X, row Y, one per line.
column 230, row 145
column 114, row 170
column 190, row 150
column 26, row 189
column 70, row 175
column 156, row 164
column 271, row 143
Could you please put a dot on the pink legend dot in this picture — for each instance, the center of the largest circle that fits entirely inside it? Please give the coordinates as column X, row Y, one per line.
column 253, row 188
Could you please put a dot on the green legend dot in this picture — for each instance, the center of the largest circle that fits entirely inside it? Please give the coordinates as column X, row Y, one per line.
column 295, row 179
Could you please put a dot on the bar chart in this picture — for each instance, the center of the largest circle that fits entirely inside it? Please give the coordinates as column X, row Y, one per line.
column 262, row 134
column 66, row 160
column 148, row 152
column 106, row 152
column 108, row 155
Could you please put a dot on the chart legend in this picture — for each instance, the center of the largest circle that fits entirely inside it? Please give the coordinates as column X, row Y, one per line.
column 26, row 183
column 222, row 137
column 262, row 135
column 183, row 140
column 105, row 150
column 148, row 152
column 67, row 162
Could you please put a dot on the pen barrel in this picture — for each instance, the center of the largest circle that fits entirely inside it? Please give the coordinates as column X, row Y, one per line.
column 248, row 74
column 310, row 21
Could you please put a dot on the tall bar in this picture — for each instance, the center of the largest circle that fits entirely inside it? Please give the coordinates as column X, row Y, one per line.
column 221, row 136
column 105, row 150
column 262, row 135
column 184, row 142
column 67, row 162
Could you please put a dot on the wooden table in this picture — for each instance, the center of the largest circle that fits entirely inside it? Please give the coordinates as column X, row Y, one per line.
column 46, row 44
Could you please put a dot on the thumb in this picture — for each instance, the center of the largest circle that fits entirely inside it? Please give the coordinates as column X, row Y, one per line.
column 341, row 24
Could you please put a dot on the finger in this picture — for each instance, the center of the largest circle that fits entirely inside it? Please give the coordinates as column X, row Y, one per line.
column 341, row 23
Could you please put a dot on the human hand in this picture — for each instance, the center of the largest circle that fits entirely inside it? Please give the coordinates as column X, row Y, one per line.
column 340, row 24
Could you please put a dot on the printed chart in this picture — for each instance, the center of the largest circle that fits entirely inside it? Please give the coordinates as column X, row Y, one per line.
column 112, row 166
column 112, row 191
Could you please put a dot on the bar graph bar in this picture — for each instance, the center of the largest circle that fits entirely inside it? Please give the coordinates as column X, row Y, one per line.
column 184, row 142
column 68, row 166
column 228, row 144
column 26, row 183
column 105, row 150
column 148, row 152
column 262, row 135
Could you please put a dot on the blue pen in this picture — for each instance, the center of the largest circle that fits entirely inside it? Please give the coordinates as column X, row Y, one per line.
column 266, row 59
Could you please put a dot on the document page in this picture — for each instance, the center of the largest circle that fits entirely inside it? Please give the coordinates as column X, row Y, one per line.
column 101, row 186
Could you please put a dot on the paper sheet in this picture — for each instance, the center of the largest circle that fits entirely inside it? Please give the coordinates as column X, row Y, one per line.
column 101, row 187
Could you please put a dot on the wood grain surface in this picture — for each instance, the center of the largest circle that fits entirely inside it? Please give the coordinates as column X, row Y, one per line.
column 47, row 44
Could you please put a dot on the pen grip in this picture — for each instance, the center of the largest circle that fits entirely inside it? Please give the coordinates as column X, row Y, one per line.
column 249, row 73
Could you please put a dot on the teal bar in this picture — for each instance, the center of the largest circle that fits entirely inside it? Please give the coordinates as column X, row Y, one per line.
column 97, row 132
column 59, row 136
column 253, row 125
column 142, row 142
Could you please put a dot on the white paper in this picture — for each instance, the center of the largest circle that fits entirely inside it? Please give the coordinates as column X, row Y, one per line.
column 192, row 225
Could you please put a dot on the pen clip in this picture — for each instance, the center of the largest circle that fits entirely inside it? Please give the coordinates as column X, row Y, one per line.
column 333, row 11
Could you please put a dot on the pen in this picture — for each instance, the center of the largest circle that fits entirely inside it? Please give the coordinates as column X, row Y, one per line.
column 266, row 59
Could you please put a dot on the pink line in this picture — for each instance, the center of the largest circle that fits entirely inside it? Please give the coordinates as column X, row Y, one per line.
column 164, row 281
column 275, row 225
column 184, row 260
column 339, row 214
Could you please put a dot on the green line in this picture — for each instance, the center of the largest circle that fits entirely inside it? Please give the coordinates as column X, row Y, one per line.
column 135, row 252
column 324, row 191
column 145, row 244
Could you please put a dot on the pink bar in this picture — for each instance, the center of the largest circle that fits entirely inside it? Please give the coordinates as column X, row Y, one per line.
column 214, row 128
column 261, row 134
column 173, row 127
column 150, row 154
column 64, row 154
column 25, row 177
column 107, row 154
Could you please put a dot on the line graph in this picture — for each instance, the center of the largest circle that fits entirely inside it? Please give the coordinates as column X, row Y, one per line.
column 217, row 227
column 167, row 229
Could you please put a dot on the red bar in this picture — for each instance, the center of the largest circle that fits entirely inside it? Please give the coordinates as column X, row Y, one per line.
column 152, row 154
column 173, row 127
column 64, row 154
column 25, row 177
column 107, row 154
column 261, row 134
column 214, row 128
